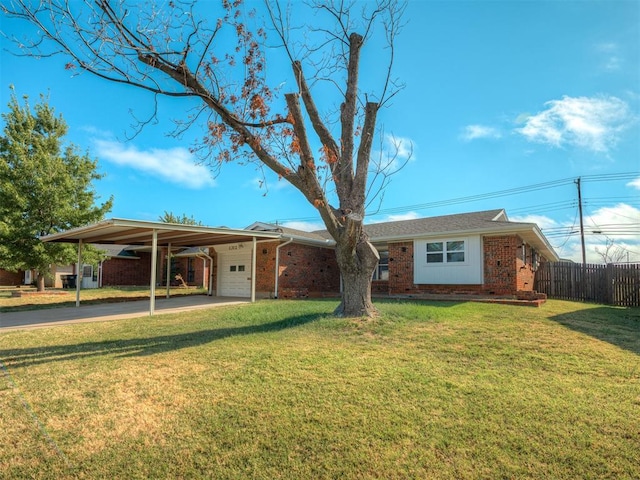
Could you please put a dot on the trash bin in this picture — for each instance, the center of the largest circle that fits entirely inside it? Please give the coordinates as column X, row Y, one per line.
column 71, row 280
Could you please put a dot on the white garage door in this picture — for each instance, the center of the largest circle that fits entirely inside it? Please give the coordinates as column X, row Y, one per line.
column 234, row 274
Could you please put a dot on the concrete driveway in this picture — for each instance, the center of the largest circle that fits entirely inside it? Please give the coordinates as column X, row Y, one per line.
column 110, row 311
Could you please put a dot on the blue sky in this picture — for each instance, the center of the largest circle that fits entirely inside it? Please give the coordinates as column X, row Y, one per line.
column 498, row 96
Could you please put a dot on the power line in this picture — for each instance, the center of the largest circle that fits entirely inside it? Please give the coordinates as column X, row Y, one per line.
column 489, row 195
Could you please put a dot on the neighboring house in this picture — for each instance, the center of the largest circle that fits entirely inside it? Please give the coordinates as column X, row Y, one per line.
column 470, row 253
column 129, row 265
column 14, row 279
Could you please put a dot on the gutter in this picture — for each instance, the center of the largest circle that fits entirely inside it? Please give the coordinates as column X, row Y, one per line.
column 201, row 254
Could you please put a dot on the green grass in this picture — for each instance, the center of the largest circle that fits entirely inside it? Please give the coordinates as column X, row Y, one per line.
column 281, row 390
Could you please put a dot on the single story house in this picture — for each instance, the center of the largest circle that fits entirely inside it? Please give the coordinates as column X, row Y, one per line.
column 471, row 253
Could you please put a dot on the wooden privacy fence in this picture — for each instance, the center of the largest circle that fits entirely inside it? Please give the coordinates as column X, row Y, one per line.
column 606, row 284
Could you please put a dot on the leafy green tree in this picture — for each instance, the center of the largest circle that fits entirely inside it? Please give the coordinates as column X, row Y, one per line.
column 45, row 187
column 170, row 217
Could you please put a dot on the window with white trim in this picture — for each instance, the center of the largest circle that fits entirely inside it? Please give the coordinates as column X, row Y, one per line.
column 382, row 270
column 450, row 251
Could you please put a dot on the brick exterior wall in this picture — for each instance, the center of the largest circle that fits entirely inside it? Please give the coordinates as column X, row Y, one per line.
column 401, row 268
column 401, row 275
column 120, row 271
column 525, row 270
column 266, row 268
column 307, row 271
column 505, row 271
column 379, row 287
column 11, row 279
column 500, row 270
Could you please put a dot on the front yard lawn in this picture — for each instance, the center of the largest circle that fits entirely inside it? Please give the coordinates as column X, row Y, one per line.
column 281, row 390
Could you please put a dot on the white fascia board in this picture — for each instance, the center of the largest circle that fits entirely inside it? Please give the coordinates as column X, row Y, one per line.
column 83, row 232
column 326, row 243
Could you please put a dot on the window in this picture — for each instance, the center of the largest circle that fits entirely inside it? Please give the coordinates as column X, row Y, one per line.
column 232, row 268
column 455, row 251
column 382, row 270
column 434, row 252
column 452, row 251
column 241, row 268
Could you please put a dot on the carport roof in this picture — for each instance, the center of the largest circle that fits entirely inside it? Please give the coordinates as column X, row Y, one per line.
column 134, row 232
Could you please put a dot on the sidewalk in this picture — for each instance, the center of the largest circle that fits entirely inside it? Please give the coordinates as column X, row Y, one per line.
column 109, row 311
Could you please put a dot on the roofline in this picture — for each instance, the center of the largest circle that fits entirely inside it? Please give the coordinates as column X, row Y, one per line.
column 515, row 227
column 121, row 222
column 444, row 233
column 327, row 242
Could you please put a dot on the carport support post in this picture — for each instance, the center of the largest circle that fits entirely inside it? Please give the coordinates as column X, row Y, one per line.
column 78, row 280
column 154, row 263
column 253, row 271
column 168, row 269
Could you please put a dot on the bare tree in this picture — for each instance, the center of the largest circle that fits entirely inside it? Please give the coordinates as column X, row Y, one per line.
column 175, row 49
column 611, row 253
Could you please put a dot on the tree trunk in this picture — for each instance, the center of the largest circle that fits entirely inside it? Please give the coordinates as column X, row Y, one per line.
column 40, row 282
column 356, row 268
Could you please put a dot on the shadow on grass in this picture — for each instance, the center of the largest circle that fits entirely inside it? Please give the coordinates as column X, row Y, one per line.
column 614, row 325
column 22, row 357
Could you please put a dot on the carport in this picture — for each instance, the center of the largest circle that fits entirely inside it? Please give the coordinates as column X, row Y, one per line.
column 157, row 234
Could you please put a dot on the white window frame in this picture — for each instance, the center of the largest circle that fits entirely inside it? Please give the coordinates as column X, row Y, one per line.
column 382, row 269
column 445, row 252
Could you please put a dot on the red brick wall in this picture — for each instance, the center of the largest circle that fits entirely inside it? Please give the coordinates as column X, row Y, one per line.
column 500, row 264
column 505, row 269
column 401, row 268
column 11, row 278
column 266, row 268
column 524, row 269
column 401, row 275
column 307, row 271
column 505, row 273
column 120, row 271
column 379, row 287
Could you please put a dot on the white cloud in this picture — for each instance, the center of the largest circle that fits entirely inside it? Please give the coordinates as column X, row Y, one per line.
column 401, row 146
column 305, row 226
column 634, row 183
column 618, row 225
column 395, row 152
column 609, row 53
column 621, row 221
column 395, row 218
column 474, row 132
column 592, row 123
column 175, row 165
column 540, row 220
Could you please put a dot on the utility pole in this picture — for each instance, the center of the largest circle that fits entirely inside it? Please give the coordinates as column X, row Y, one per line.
column 584, row 256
